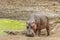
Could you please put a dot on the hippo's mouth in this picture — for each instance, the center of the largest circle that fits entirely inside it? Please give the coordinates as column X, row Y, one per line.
column 30, row 33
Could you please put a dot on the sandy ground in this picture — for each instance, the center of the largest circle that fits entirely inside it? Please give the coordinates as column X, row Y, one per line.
column 53, row 36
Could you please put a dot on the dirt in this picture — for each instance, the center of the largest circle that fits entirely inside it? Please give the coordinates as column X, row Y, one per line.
column 53, row 36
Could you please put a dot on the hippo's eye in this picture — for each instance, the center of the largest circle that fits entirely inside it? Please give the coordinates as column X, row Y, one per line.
column 31, row 27
column 27, row 27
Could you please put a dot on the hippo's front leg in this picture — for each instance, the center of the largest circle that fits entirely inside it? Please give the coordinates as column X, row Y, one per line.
column 39, row 32
column 35, row 31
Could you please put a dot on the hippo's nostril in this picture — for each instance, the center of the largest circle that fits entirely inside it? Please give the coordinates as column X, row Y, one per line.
column 29, row 33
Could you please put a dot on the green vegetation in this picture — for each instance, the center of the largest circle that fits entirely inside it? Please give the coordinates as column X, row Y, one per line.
column 6, row 24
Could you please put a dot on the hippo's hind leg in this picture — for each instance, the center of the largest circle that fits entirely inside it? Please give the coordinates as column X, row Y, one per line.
column 48, row 31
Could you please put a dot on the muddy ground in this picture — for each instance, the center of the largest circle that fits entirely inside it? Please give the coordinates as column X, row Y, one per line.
column 53, row 36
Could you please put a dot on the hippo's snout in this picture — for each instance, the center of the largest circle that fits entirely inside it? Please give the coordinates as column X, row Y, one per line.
column 30, row 33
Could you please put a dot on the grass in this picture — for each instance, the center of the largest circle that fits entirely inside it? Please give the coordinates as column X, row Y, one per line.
column 6, row 24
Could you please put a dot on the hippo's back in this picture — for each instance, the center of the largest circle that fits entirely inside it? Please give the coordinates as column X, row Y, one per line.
column 42, row 20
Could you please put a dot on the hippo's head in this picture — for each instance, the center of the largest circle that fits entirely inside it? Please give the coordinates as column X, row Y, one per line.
column 30, row 28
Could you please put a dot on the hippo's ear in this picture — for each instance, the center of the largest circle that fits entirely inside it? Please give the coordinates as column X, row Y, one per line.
column 35, row 27
column 33, row 22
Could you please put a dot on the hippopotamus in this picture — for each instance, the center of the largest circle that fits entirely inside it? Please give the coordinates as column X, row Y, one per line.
column 36, row 23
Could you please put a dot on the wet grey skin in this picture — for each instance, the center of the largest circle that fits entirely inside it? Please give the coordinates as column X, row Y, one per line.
column 30, row 32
